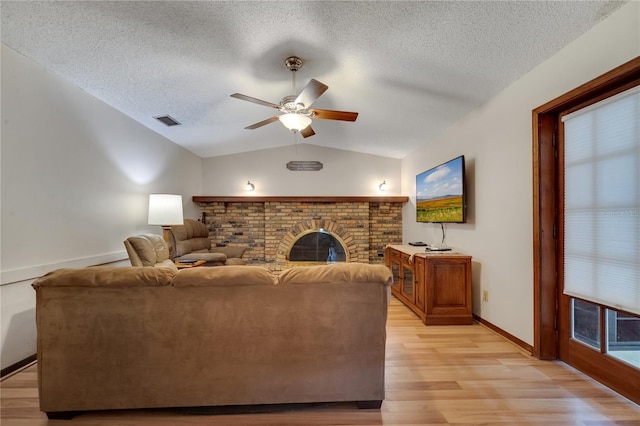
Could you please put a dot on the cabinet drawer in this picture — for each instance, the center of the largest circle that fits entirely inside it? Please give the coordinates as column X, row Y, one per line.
column 394, row 253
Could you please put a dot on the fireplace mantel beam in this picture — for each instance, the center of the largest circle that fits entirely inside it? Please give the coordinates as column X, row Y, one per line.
column 203, row 199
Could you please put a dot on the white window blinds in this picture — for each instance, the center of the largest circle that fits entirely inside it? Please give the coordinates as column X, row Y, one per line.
column 602, row 202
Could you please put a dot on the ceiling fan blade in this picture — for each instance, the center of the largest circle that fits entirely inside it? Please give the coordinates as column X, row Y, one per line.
column 327, row 114
column 262, row 123
column 307, row 131
column 254, row 100
column 311, row 92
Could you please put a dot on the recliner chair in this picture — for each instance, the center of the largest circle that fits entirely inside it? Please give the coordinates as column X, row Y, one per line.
column 149, row 250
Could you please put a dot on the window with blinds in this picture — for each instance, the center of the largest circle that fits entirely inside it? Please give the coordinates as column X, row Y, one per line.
column 602, row 202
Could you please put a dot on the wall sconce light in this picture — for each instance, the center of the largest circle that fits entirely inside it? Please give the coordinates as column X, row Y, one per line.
column 383, row 186
column 165, row 210
column 249, row 186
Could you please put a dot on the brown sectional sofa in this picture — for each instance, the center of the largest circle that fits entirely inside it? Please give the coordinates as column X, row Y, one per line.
column 139, row 337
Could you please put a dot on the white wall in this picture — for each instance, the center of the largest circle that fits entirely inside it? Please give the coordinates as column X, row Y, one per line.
column 75, row 180
column 496, row 140
column 343, row 173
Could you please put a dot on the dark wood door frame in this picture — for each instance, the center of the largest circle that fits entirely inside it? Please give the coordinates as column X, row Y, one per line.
column 545, row 198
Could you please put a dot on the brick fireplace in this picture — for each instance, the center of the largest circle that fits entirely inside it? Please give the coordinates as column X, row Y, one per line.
column 269, row 226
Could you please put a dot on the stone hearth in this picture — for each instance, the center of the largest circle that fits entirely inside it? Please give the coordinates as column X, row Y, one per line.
column 269, row 226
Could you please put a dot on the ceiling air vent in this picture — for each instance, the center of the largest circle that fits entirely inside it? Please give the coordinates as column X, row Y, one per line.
column 168, row 120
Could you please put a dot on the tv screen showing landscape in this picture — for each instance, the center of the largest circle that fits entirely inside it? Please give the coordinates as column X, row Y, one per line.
column 440, row 194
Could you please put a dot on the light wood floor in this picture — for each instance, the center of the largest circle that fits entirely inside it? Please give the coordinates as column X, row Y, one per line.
column 451, row 375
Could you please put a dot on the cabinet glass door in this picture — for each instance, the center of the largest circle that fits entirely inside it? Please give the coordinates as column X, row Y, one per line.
column 407, row 285
column 395, row 271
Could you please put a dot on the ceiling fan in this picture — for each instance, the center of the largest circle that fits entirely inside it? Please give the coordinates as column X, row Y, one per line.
column 296, row 112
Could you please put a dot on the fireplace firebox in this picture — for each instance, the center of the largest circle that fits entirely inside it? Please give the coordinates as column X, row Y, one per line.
column 317, row 246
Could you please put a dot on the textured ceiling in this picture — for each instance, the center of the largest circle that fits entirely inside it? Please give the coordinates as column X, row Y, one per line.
column 411, row 69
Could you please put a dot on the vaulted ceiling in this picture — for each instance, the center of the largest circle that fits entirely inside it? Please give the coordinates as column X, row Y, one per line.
column 410, row 69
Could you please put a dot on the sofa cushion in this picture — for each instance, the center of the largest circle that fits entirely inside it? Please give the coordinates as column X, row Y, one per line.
column 198, row 229
column 182, row 248
column 337, row 272
column 192, row 245
column 190, row 229
column 179, row 232
column 230, row 251
column 222, row 277
column 200, row 244
column 107, row 276
column 215, row 258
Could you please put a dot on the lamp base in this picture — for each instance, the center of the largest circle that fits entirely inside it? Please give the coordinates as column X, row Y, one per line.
column 165, row 234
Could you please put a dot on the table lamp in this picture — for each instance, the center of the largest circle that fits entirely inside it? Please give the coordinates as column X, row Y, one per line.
column 165, row 210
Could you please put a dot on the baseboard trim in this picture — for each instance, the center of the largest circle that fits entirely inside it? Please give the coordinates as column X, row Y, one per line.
column 527, row 347
column 13, row 368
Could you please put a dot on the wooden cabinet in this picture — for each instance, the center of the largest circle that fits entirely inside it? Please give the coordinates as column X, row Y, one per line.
column 436, row 286
column 404, row 283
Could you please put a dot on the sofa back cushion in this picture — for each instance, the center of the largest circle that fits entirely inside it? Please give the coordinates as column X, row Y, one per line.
column 337, row 273
column 190, row 229
column 229, row 276
column 201, row 245
column 107, row 276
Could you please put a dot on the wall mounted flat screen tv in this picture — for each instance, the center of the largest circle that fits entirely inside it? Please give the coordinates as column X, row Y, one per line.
column 440, row 193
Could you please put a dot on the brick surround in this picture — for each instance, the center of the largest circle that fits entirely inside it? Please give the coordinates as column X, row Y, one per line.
column 269, row 228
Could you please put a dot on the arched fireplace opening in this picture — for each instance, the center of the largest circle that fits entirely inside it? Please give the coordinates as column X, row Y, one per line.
column 317, row 246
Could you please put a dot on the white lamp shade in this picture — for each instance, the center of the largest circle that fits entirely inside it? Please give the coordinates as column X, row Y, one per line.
column 293, row 121
column 165, row 209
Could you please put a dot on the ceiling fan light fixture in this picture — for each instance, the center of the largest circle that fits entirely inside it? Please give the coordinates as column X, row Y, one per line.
column 296, row 115
column 294, row 121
